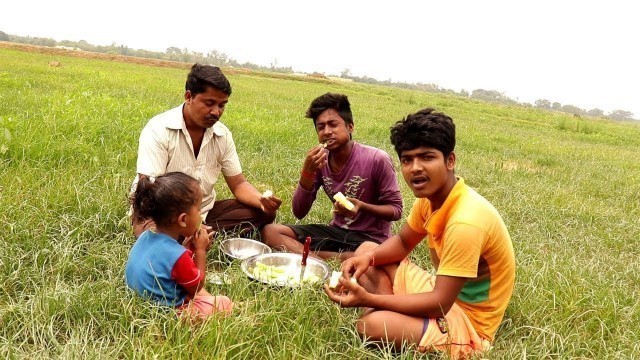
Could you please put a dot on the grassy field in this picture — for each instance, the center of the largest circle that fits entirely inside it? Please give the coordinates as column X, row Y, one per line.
column 568, row 189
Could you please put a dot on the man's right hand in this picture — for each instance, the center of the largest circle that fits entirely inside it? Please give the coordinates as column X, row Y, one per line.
column 316, row 158
column 270, row 204
column 356, row 265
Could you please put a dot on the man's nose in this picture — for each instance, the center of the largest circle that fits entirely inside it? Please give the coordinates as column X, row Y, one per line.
column 215, row 110
column 416, row 167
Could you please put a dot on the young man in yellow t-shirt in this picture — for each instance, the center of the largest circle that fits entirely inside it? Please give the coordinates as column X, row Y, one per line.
column 459, row 309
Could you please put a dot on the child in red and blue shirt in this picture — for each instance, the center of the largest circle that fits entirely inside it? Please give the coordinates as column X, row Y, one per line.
column 160, row 267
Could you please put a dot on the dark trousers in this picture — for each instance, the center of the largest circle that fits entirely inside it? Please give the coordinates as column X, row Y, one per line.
column 228, row 216
column 232, row 216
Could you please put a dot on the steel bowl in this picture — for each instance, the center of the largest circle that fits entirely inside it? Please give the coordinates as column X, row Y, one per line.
column 316, row 272
column 241, row 248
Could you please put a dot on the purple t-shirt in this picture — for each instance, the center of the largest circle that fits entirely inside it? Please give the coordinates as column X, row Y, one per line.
column 369, row 176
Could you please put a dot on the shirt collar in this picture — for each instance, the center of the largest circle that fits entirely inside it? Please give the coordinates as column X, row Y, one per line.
column 439, row 218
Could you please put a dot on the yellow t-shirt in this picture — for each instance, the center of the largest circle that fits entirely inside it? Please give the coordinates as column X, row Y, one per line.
column 467, row 238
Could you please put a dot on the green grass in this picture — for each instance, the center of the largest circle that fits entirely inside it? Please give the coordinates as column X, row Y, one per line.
column 568, row 189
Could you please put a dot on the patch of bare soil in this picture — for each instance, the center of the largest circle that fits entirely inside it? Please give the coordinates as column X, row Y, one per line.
column 93, row 55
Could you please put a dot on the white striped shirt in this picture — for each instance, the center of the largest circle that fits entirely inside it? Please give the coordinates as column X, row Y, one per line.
column 165, row 146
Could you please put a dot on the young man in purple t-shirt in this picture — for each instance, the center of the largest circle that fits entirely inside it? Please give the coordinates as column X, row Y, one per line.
column 364, row 174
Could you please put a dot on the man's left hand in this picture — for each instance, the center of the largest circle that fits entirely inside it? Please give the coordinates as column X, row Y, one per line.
column 339, row 209
column 349, row 294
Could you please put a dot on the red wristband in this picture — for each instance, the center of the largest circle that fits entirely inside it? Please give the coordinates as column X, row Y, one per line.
column 307, row 175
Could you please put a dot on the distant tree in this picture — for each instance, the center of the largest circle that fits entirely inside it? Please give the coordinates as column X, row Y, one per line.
column 485, row 94
column 620, row 115
column 491, row 95
column 346, row 73
column 571, row 109
column 556, row 106
column 68, row 43
column 543, row 104
column 217, row 58
column 197, row 57
column 84, row 45
column 595, row 112
column 431, row 87
column 4, row 36
column 43, row 42
column 174, row 53
column 464, row 93
column 186, row 56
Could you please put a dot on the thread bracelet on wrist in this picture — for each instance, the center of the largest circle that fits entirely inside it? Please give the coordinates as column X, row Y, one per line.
column 306, row 175
column 372, row 262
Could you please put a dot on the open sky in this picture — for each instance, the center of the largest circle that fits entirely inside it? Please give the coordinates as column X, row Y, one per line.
column 579, row 53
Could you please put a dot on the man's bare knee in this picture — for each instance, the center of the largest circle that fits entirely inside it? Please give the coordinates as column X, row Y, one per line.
column 361, row 326
column 371, row 325
column 277, row 235
column 268, row 232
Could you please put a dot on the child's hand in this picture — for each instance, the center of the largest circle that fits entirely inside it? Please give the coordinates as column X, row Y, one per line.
column 202, row 239
column 211, row 233
column 188, row 243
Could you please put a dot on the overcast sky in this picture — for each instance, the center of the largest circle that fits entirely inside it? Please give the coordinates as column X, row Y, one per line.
column 582, row 53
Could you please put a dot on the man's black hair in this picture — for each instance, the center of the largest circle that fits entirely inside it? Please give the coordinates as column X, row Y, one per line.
column 424, row 128
column 338, row 102
column 202, row 76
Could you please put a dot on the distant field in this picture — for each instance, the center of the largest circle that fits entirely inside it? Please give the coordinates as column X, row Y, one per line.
column 568, row 189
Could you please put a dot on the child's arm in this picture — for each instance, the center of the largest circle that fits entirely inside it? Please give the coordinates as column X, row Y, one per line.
column 201, row 242
column 191, row 277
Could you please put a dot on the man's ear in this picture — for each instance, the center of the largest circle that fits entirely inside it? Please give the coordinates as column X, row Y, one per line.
column 187, row 96
column 451, row 161
column 182, row 220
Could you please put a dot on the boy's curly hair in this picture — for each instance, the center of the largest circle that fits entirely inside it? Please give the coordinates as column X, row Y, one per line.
column 424, row 128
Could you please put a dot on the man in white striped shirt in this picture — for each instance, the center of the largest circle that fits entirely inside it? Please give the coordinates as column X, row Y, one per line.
column 190, row 139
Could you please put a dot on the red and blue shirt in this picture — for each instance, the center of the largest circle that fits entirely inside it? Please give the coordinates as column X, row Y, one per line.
column 159, row 268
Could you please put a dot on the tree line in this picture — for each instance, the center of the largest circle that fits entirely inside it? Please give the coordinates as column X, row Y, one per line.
column 172, row 53
column 217, row 58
